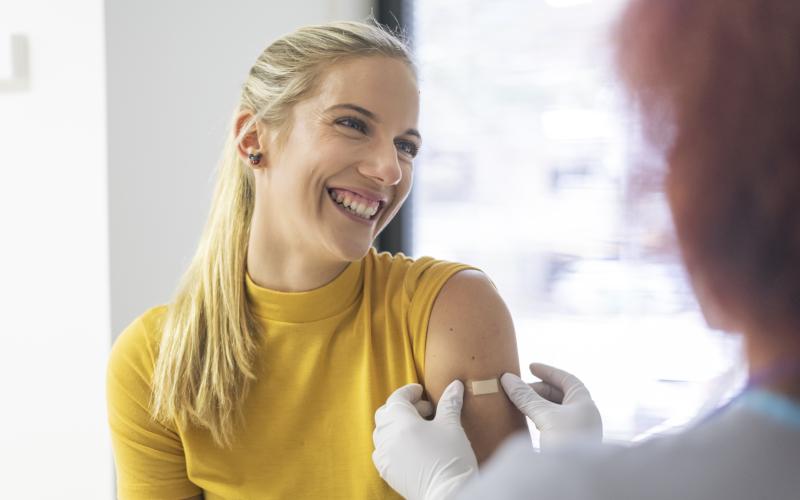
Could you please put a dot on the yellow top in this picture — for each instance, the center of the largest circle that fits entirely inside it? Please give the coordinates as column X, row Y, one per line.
column 329, row 358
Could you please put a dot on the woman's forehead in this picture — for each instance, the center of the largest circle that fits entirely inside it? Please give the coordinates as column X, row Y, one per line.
column 383, row 85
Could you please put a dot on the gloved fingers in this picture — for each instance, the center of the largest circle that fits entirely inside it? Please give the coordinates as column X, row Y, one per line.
column 400, row 406
column 548, row 392
column 448, row 410
column 572, row 388
column 380, row 462
column 409, row 392
column 424, row 407
column 523, row 396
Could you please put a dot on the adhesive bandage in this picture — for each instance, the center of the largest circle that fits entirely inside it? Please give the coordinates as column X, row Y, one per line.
column 482, row 387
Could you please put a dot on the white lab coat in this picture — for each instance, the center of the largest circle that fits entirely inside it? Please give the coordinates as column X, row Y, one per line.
column 743, row 453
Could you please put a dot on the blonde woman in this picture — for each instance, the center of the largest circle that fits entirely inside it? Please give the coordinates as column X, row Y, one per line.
column 288, row 331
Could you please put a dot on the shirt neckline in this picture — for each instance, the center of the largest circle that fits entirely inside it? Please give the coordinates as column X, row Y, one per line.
column 771, row 404
column 308, row 306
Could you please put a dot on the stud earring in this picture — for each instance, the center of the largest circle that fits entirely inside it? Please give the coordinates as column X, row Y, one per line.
column 255, row 158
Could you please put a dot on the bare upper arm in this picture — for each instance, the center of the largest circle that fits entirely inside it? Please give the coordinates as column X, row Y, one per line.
column 471, row 337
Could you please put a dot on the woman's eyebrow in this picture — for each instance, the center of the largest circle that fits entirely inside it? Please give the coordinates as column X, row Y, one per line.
column 369, row 114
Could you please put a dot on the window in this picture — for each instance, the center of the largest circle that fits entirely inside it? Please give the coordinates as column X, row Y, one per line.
column 524, row 173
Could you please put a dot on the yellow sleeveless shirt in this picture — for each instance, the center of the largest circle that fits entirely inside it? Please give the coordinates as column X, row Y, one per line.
column 328, row 359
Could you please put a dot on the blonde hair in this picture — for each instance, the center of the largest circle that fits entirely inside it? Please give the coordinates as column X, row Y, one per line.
column 206, row 359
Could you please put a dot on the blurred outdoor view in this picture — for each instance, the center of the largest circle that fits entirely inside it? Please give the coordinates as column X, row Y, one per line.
column 529, row 171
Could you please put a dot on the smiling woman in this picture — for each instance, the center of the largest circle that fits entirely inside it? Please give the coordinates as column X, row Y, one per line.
column 260, row 379
column 353, row 139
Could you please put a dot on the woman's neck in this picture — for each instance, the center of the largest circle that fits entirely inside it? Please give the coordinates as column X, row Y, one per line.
column 288, row 268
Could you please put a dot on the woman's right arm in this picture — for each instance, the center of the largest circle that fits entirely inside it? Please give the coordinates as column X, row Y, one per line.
column 149, row 456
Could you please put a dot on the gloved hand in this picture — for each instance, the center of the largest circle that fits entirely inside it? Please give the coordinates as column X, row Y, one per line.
column 560, row 406
column 422, row 459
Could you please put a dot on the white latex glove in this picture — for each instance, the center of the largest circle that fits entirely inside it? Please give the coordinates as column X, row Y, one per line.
column 560, row 406
column 423, row 459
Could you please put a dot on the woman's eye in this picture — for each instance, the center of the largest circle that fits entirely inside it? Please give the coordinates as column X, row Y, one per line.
column 353, row 123
column 407, row 147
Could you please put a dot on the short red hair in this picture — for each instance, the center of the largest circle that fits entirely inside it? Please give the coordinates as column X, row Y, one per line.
column 718, row 82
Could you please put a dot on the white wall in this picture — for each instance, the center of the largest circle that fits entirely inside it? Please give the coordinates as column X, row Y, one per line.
column 54, row 300
column 175, row 73
column 105, row 178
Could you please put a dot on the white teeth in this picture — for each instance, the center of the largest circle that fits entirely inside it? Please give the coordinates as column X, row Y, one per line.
column 354, row 207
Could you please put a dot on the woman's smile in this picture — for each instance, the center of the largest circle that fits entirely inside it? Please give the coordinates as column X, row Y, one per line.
column 361, row 207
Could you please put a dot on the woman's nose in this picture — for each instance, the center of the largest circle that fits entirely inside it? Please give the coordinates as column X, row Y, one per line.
column 383, row 165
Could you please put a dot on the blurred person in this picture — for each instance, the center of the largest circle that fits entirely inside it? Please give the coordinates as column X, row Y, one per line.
column 718, row 84
column 260, row 378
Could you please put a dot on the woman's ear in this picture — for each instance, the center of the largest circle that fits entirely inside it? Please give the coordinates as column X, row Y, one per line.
column 252, row 146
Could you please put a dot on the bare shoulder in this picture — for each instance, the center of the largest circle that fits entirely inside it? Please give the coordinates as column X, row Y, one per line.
column 470, row 308
column 470, row 328
column 471, row 337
